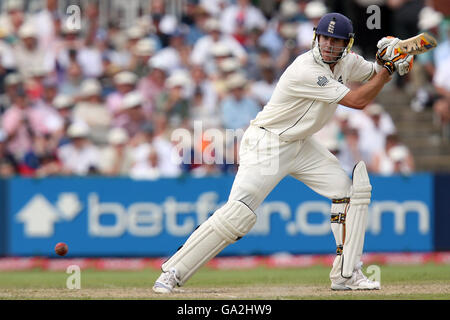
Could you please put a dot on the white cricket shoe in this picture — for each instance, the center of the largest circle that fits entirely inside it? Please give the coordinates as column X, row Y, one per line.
column 166, row 281
column 358, row 281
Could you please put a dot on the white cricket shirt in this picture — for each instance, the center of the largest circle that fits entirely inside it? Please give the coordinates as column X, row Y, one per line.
column 308, row 92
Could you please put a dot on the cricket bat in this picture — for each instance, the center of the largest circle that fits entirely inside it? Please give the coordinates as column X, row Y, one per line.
column 416, row 45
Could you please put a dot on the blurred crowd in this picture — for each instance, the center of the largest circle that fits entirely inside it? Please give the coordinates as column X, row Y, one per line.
column 432, row 90
column 106, row 100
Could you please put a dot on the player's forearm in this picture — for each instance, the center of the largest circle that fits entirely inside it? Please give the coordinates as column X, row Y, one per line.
column 362, row 96
column 372, row 88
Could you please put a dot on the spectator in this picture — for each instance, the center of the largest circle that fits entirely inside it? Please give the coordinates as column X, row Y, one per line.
column 170, row 57
column 394, row 158
column 6, row 53
column 142, row 52
column 373, row 124
column 34, row 83
column 424, row 64
column 241, row 15
column 8, row 164
column 72, row 80
column 67, row 47
column 116, row 156
column 135, row 115
column 154, row 83
column 201, row 83
column 429, row 21
column 20, row 123
column 220, row 52
column 12, row 82
column 106, row 78
column 124, row 82
column 441, row 106
column 122, row 56
column 116, row 35
column 41, row 160
column 271, row 39
column 163, row 22
column 214, row 7
column 12, row 19
column 202, row 54
column 154, row 153
column 202, row 113
column 80, row 156
column 262, row 90
column 294, row 10
column 90, row 58
column 314, row 10
column 253, row 47
column 174, row 103
column 3, row 73
column 404, row 17
column 204, row 101
column 349, row 150
column 169, row 162
column 146, row 164
column 195, row 22
column 45, row 22
column 63, row 104
column 238, row 108
column 92, row 111
column 30, row 55
column 291, row 49
column 258, row 62
column 227, row 66
column 50, row 120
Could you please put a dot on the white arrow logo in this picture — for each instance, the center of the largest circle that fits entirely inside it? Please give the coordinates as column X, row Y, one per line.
column 39, row 215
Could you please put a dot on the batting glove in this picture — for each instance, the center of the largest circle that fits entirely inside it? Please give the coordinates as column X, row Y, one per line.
column 390, row 67
column 404, row 65
column 386, row 49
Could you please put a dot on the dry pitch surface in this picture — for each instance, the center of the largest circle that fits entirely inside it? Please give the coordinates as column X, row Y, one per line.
column 399, row 282
column 431, row 291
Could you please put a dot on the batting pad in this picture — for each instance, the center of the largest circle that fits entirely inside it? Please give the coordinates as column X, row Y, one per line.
column 356, row 220
column 227, row 225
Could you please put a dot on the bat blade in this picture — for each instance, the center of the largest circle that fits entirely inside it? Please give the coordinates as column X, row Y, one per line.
column 416, row 45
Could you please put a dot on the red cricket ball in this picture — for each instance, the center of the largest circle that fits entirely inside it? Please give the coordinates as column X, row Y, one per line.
column 61, row 248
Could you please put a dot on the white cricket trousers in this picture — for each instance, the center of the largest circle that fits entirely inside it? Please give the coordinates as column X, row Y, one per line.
column 265, row 160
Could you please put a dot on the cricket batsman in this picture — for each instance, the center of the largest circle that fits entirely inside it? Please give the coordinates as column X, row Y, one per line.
column 279, row 142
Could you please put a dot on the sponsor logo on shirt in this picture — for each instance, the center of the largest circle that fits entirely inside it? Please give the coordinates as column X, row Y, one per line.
column 322, row 81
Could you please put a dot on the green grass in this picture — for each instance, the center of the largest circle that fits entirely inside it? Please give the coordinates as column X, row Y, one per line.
column 397, row 279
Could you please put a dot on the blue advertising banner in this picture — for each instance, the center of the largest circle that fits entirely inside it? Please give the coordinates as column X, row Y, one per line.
column 124, row 217
column 442, row 215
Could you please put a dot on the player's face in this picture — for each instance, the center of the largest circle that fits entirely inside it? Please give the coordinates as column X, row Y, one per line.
column 331, row 48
